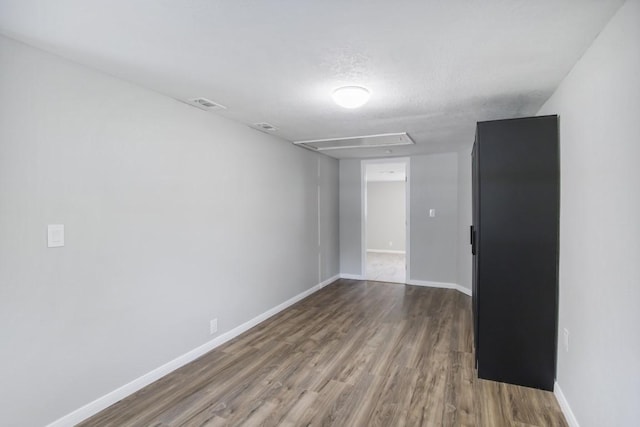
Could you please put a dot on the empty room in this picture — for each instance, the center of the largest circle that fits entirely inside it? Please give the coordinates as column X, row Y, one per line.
column 304, row 213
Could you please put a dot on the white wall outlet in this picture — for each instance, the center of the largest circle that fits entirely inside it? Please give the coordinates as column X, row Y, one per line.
column 390, row 244
column 432, row 213
column 55, row 235
column 565, row 337
column 213, row 326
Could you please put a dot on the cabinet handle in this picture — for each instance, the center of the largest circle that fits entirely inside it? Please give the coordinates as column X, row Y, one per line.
column 472, row 239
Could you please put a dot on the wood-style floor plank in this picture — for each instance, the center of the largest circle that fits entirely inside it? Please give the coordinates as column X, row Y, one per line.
column 353, row 354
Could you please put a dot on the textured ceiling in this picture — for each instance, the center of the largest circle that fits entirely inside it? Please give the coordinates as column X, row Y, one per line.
column 434, row 67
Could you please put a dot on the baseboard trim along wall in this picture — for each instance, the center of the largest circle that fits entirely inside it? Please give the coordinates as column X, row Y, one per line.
column 352, row 276
column 385, row 251
column 120, row 393
column 429, row 284
column 564, row 406
column 443, row 285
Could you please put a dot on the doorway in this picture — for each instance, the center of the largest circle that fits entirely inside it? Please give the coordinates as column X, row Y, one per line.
column 385, row 219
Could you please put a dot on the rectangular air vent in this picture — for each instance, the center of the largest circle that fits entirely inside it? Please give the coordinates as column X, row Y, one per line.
column 266, row 126
column 206, row 104
column 368, row 141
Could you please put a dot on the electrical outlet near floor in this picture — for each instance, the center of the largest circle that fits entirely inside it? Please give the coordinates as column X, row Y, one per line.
column 213, row 326
column 566, row 340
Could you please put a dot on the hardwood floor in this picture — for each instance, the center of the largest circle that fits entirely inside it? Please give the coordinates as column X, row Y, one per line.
column 352, row 354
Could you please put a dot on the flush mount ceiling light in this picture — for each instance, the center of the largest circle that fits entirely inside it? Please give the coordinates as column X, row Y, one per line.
column 351, row 96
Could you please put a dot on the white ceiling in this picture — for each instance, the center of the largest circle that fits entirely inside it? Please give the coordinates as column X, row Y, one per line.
column 385, row 172
column 434, row 67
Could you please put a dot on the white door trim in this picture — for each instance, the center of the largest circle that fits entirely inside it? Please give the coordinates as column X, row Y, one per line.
column 363, row 211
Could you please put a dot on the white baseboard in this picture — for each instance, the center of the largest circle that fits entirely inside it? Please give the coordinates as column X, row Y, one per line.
column 385, row 251
column 430, row 284
column 120, row 393
column 352, row 276
column 564, row 405
column 443, row 285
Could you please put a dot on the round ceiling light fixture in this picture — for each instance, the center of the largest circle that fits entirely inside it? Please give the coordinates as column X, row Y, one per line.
column 351, row 96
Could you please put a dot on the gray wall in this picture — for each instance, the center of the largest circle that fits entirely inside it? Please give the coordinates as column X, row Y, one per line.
column 329, row 236
column 434, row 241
column 465, row 258
column 599, row 108
column 350, row 217
column 173, row 216
column 386, row 216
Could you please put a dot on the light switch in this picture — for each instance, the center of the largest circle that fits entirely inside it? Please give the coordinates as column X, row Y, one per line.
column 55, row 235
column 432, row 213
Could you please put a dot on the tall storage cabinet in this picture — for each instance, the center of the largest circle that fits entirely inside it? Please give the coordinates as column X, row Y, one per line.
column 514, row 237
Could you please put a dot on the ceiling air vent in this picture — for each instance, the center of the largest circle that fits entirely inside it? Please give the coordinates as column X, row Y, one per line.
column 206, row 104
column 266, row 126
column 368, row 141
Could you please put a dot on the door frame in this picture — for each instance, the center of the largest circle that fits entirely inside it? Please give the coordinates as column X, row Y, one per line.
column 363, row 211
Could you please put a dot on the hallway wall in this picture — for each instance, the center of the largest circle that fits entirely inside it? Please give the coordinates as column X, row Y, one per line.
column 173, row 216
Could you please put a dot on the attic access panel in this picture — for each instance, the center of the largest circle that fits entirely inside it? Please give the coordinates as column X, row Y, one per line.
column 368, row 141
